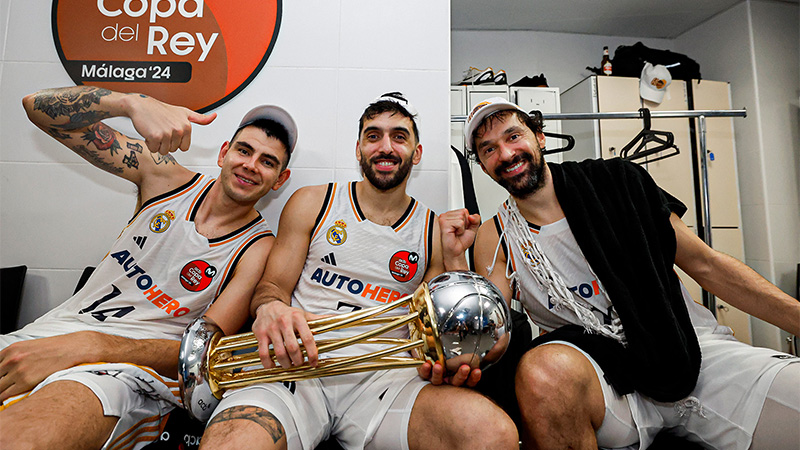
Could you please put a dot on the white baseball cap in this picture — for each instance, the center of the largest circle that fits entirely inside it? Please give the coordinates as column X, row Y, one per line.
column 483, row 110
column 274, row 113
column 653, row 82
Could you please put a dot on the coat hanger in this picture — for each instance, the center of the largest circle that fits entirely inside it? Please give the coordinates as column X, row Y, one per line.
column 664, row 140
column 570, row 140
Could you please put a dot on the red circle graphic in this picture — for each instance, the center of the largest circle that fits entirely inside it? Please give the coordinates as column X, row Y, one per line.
column 197, row 275
column 403, row 265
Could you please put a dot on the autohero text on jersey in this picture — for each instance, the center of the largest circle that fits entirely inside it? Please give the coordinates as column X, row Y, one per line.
column 355, row 287
column 145, row 283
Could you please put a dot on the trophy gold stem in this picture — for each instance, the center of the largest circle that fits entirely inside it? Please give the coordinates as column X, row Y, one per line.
column 333, row 366
column 252, row 358
column 227, row 370
column 319, row 326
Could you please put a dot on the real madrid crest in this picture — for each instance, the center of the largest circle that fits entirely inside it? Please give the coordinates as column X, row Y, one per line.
column 337, row 233
column 161, row 221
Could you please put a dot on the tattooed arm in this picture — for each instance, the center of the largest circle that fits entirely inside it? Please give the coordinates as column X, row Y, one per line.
column 73, row 116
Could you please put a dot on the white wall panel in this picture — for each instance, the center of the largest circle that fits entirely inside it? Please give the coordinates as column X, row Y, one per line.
column 29, row 37
column 430, row 187
column 60, row 216
column 414, row 34
column 777, row 66
column 19, row 139
column 5, row 9
column 309, row 34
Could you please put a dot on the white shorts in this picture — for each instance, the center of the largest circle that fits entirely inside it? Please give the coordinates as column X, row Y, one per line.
column 721, row 412
column 139, row 396
column 350, row 407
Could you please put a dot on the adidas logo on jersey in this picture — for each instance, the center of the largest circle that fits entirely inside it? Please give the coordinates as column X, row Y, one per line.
column 139, row 240
column 329, row 259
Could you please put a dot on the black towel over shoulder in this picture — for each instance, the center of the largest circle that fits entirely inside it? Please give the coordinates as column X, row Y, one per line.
column 620, row 219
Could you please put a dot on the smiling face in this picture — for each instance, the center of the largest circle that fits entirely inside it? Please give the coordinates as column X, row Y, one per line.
column 387, row 149
column 510, row 153
column 252, row 166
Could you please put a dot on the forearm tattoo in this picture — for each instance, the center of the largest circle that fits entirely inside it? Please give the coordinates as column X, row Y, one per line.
column 69, row 102
column 260, row 416
column 135, row 146
column 96, row 160
column 57, row 134
column 162, row 159
column 103, row 137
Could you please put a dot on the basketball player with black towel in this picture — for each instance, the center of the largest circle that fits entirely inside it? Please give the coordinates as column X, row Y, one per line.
column 633, row 354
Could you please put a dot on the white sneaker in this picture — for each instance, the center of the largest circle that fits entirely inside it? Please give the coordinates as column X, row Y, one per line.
column 478, row 76
column 500, row 77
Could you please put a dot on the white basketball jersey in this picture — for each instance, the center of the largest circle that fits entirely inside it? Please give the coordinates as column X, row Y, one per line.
column 354, row 263
column 561, row 248
column 159, row 275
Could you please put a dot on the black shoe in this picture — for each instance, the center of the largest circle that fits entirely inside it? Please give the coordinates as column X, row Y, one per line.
column 535, row 81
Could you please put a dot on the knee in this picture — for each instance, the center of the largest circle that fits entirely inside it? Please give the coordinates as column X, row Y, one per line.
column 488, row 427
column 469, row 420
column 553, row 376
column 503, row 431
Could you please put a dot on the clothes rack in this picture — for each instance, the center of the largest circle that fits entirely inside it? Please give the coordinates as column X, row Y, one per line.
column 709, row 300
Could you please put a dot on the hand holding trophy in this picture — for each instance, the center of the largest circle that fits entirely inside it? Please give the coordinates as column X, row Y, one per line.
column 457, row 318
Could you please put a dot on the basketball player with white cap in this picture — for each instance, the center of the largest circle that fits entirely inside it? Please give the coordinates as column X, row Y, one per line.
column 589, row 248
column 101, row 366
column 342, row 247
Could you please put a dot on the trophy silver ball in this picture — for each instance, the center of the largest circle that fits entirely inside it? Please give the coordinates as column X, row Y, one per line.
column 472, row 317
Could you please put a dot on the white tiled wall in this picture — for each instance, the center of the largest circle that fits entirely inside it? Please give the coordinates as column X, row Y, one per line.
column 58, row 214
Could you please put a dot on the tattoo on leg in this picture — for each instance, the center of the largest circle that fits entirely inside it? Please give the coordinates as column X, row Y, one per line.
column 60, row 102
column 260, row 416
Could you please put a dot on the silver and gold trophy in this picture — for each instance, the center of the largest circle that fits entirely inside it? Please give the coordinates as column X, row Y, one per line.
column 457, row 318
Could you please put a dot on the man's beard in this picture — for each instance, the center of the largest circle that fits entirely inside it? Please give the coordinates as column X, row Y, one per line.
column 382, row 181
column 523, row 184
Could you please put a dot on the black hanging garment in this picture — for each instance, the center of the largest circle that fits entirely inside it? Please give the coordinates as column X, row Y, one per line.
column 629, row 61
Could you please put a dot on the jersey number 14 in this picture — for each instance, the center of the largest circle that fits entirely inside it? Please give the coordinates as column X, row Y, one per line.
column 103, row 314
